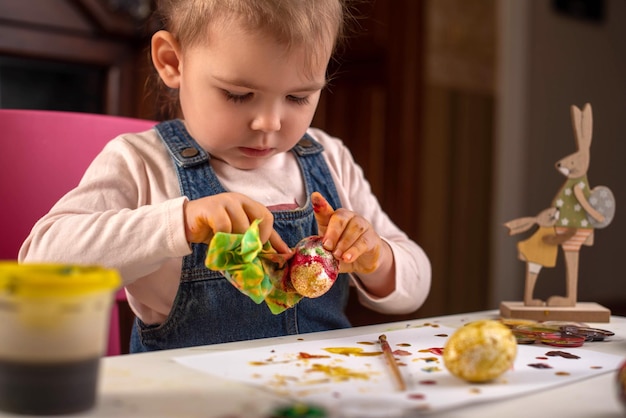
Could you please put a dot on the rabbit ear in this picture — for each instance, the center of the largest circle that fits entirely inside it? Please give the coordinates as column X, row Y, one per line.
column 519, row 225
column 582, row 122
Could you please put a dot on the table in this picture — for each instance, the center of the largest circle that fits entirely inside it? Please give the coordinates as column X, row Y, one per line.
column 153, row 385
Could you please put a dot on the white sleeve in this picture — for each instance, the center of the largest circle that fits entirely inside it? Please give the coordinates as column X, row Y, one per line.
column 125, row 214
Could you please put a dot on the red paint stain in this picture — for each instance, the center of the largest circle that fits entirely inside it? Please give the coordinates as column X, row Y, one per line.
column 319, row 206
column 427, row 382
column 433, row 350
column 563, row 354
column 303, row 355
column 540, row 366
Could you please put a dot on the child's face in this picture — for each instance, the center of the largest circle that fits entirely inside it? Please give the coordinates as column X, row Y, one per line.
column 245, row 98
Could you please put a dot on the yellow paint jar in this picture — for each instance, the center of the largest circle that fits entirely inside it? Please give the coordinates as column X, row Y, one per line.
column 54, row 328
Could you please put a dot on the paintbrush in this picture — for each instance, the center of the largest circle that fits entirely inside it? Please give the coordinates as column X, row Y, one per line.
column 393, row 365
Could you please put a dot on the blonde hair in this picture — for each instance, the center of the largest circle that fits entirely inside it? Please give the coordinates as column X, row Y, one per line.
column 314, row 25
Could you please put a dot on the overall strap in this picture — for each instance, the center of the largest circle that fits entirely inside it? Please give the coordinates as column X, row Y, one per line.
column 208, row 309
column 197, row 179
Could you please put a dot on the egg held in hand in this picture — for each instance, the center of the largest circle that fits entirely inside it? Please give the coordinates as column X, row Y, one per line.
column 313, row 269
column 480, row 351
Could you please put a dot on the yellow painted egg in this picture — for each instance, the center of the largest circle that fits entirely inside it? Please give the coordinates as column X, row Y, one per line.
column 480, row 351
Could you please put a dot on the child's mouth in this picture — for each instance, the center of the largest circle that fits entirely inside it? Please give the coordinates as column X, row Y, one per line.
column 254, row 152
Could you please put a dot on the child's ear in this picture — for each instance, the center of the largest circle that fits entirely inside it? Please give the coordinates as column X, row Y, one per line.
column 166, row 58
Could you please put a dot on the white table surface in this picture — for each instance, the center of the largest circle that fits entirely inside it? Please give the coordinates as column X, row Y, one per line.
column 153, row 385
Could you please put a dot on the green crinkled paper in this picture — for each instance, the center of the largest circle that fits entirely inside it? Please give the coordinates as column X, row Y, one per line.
column 256, row 269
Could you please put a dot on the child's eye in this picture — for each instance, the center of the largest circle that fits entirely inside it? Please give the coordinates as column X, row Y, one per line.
column 237, row 98
column 298, row 100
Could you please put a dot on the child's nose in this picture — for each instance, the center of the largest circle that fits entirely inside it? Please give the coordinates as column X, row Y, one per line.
column 267, row 120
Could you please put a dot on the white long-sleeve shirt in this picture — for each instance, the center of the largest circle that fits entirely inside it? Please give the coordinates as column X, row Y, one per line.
column 127, row 214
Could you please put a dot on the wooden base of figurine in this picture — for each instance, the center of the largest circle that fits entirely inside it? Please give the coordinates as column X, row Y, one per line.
column 582, row 312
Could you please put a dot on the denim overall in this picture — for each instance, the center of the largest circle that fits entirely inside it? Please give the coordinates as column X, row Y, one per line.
column 207, row 308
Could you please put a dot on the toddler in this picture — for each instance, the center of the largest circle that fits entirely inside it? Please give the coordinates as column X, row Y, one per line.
column 248, row 76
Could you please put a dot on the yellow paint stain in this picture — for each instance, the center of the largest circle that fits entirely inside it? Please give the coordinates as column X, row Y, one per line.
column 316, row 381
column 352, row 351
column 339, row 374
column 427, row 359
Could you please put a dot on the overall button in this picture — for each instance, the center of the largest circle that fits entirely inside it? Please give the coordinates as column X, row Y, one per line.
column 189, row 152
column 306, row 143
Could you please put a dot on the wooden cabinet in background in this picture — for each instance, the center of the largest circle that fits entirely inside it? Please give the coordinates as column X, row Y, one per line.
column 53, row 53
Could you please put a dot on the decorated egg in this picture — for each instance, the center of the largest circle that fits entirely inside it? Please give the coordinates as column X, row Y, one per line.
column 313, row 269
column 480, row 351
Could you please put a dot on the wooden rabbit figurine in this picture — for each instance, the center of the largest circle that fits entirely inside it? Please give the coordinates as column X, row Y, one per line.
column 539, row 250
column 581, row 209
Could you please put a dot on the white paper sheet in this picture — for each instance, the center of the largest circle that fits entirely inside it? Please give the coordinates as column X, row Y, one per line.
column 339, row 381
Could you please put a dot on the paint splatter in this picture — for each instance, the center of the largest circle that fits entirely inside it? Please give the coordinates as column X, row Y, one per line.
column 540, row 365
column 438, row 351
column 562, row 373
column 441, row 335
column 416, row 396
column 427, row 359
column 427, row 382
column 352, row 351
column 303, row 356
column 282, row 380
column 401, row 353
column 431, row 369
column 268, row 361
column 338, row 374
column 563, row 354
column 429, row 324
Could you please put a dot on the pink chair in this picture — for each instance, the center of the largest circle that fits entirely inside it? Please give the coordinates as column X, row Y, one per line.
column 43, row 154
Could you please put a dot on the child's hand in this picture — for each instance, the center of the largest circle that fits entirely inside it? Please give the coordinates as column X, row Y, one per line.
column 350, row 237
column 230, row 213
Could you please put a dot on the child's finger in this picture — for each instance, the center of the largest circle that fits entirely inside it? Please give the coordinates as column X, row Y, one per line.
column 268, row 233
column 278, row 244
column 323, row 211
